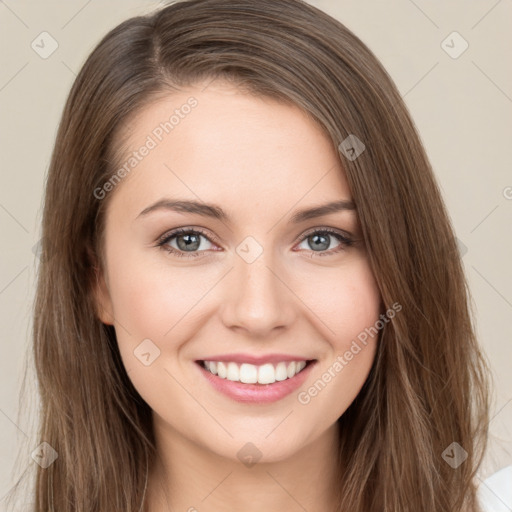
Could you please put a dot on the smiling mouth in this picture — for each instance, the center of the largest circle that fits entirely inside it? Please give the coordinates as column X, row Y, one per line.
column 246, row 373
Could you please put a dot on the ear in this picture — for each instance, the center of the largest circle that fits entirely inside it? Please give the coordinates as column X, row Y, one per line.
column 101, row 296
column 103, row 302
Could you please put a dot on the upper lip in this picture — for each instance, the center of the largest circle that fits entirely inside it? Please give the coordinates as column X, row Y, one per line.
column 256, row 360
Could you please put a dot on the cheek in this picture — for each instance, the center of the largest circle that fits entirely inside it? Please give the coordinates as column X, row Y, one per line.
column 153, row 305
column 361, row 305
column 345, row 301
column 155, row 301
column 350, row 306
column 357, row 341
column 150, row 299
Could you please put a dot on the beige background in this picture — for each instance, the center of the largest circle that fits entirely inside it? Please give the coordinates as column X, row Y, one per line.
column 462, row 107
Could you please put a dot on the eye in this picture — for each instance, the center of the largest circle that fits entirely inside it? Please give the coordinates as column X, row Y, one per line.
column 320, row 240
column 188, row 242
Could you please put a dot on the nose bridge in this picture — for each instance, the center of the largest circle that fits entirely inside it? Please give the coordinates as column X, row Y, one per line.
column 258, row 299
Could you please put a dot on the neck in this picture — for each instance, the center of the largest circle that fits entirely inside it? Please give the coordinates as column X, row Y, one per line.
column 189, row 477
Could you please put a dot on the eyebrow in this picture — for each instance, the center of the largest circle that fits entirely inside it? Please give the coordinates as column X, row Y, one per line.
column 216, row 212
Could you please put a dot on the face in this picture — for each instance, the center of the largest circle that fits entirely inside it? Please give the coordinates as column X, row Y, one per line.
column 248, row 287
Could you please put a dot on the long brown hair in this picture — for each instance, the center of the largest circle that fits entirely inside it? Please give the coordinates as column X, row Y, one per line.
column 429, row 384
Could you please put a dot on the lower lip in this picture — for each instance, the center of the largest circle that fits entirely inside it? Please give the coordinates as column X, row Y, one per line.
column 257, row 393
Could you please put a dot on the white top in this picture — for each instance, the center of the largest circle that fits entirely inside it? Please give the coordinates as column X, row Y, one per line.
column 495, row 492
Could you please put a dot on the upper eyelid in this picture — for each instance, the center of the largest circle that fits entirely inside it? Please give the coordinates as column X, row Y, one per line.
column 178, row 231
column 326, row 229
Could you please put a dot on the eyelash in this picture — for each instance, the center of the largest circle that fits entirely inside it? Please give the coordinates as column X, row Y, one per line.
column 167, row 237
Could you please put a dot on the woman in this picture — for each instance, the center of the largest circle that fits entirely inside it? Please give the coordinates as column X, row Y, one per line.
column 251, row 296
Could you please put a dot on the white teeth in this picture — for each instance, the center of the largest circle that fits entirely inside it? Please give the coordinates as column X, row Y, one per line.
column 266, row 374
column 281, row 373
column 233, row 373
column 221, row 370
column 248, row 373
column 252, row 374
column 291, row 369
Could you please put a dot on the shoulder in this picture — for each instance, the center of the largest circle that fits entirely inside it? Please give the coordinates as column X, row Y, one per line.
column 495, row 492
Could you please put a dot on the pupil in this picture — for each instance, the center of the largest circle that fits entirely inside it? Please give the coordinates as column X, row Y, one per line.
column 317, row 240
column 188, row 243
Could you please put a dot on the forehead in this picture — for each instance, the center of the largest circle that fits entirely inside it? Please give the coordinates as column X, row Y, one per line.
column 223, row 145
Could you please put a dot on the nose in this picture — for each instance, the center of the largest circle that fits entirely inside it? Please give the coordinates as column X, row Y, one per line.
column 258, row 298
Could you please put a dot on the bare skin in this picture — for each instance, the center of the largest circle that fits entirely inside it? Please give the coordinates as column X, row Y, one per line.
column 260, row 161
